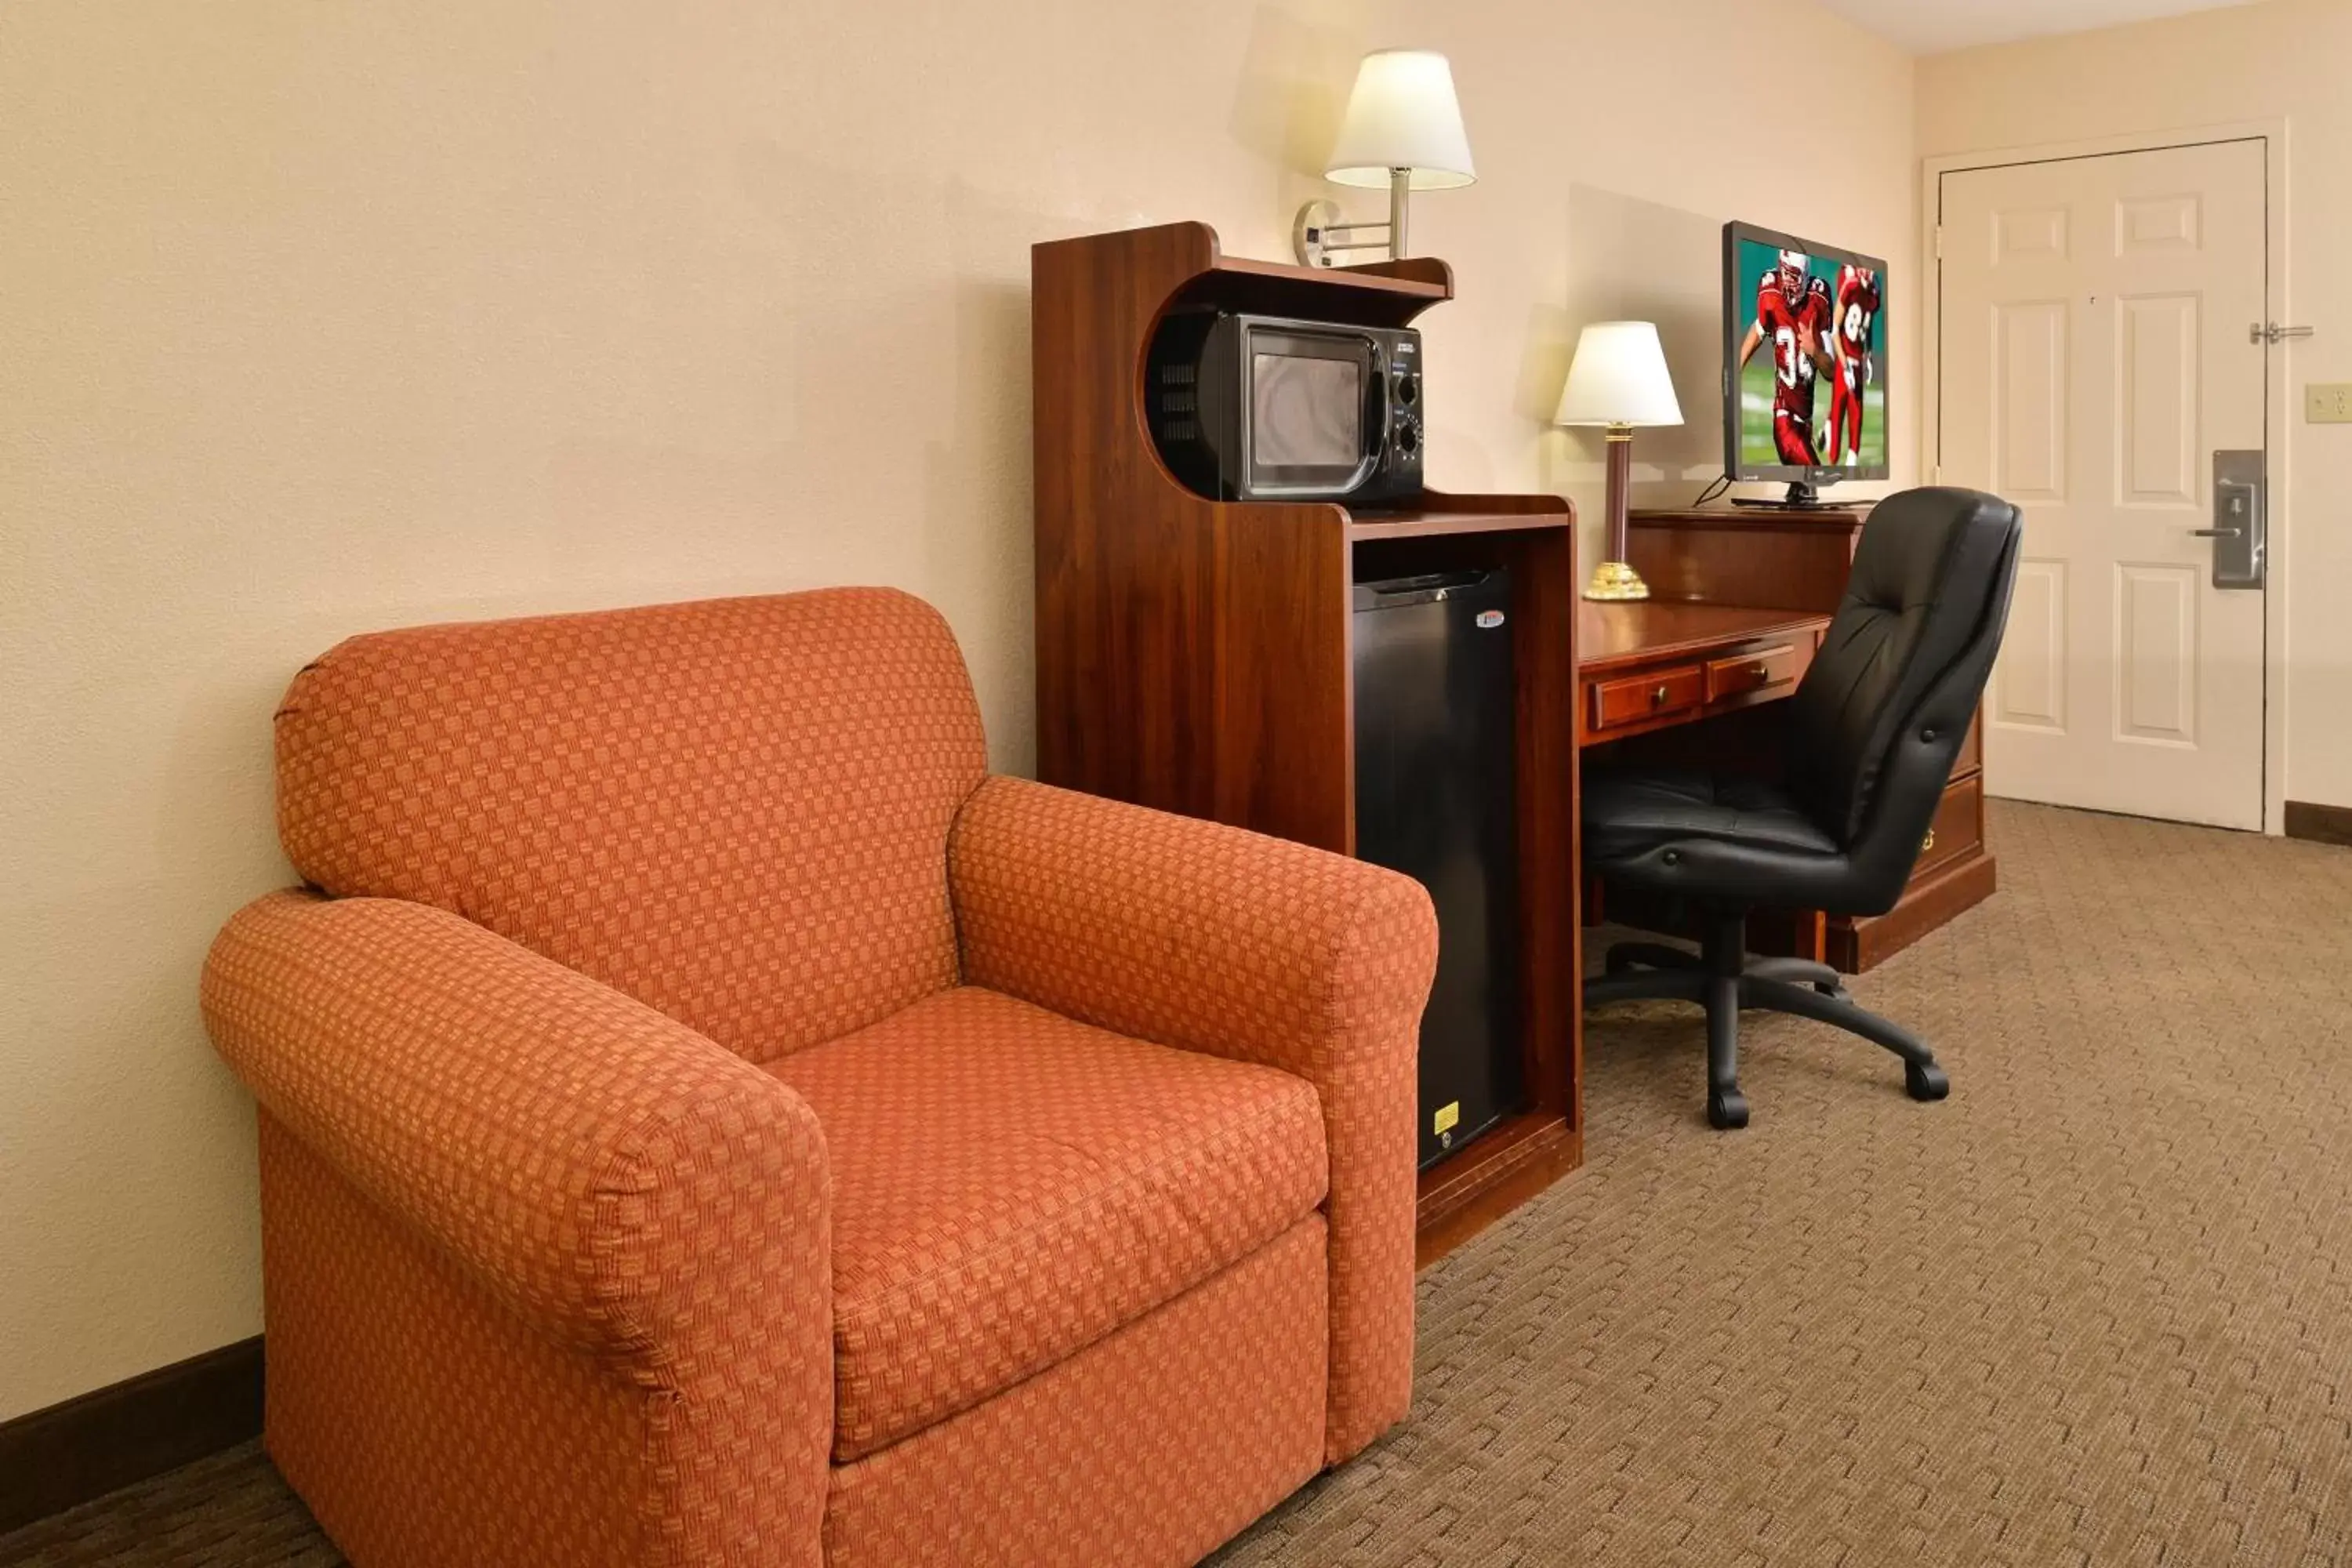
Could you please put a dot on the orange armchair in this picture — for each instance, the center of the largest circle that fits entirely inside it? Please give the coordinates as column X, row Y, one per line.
column 706, row 1120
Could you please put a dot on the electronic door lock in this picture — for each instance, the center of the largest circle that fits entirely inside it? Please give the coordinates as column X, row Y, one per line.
column 2240, row 531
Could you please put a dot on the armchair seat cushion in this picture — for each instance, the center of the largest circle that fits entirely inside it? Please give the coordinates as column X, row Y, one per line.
column 1009, row 1186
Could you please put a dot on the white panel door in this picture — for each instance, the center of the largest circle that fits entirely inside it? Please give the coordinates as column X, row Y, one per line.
column 2093, row 355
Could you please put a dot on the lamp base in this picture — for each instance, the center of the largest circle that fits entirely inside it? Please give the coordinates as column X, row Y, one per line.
column 1615, row 582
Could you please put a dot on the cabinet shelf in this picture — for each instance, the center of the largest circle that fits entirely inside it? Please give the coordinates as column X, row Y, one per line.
column 1426, row 523
column 1384, row 294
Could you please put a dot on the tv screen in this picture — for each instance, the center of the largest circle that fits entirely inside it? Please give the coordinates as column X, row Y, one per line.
column 1804, row 359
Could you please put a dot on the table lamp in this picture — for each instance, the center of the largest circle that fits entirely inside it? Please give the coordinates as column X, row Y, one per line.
column 1404, row 129
column 1618, row 380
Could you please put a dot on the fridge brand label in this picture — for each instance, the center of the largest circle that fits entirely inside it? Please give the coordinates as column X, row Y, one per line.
column 1490, row 619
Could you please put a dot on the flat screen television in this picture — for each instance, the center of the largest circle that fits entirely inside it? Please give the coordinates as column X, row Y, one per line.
column 1804, row 362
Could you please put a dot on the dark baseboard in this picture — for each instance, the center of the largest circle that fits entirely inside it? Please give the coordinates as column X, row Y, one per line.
column 53, row 1460
column 2320, row 824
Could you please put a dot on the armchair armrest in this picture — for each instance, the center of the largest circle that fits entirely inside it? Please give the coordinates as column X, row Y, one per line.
column 1216, row 939
column 623, row 1183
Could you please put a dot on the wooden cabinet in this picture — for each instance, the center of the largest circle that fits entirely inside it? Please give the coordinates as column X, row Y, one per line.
column 1195, row 655
column 1800, row 560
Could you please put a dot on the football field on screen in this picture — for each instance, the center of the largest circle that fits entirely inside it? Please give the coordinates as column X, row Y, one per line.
column 1756, row 414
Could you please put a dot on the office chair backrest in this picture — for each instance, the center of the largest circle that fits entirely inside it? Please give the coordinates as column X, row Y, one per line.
column 1880, row 717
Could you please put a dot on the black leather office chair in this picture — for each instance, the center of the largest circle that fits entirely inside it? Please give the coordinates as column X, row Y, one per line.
column 1871, row 736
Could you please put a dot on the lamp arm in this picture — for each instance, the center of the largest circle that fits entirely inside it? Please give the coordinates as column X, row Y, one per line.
column 1313, row 235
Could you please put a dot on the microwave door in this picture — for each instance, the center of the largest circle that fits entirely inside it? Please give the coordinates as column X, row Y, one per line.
column 1311, row 401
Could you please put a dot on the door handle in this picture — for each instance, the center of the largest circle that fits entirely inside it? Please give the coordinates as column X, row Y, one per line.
column 2216, row 534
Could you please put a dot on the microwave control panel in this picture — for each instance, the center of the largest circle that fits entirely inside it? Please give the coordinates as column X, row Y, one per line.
column 1404, row 398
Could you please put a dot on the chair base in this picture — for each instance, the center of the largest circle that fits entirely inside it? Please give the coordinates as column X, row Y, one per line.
column 1723, row 979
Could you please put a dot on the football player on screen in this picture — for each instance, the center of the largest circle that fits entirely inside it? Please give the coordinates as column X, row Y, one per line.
column 1857, row 308
column 1793, row 313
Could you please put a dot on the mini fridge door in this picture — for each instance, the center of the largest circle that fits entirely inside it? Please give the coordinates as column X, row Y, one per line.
column 1435, row 799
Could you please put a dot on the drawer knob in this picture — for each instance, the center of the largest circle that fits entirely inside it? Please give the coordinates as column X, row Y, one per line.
column 1929, row 843
column 1760, row 667
column 1658, row 697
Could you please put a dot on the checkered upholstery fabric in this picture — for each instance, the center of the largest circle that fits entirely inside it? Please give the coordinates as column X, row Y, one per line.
column 1147, row 1450
column 1009, row 1186
column 636, row 1193
column 1214, row 940
column 638, row 1140
column 732, row 810
column 427, row 1421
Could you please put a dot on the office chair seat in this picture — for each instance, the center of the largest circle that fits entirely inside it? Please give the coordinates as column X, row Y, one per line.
column 1868, row 741
column 1627, row 814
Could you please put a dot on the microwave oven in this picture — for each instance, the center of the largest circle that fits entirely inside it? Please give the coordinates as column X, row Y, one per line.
column 1265, row 408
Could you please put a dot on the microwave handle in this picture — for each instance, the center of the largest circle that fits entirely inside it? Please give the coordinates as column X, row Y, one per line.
column 1376, row 410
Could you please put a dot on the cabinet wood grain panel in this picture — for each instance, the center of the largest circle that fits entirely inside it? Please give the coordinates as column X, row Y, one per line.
column 1957, row 829
column 1655, row 694
column 1760, row 670
column 1971, row 757
column 1759, row 558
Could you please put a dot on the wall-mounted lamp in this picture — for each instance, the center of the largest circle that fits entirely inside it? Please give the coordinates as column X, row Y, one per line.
column 1618, row 380
column 1403, row 131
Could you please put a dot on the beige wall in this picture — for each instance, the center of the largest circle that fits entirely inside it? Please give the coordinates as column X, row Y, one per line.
column 2285, row 59
column 318, row 316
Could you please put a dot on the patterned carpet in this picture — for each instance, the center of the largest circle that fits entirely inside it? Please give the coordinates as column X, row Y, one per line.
column 2085, row 1311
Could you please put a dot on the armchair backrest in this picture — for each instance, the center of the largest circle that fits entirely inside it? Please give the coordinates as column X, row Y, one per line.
column 735, row 810
column 1880, row 717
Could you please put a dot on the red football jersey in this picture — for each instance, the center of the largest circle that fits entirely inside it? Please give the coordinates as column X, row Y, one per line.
column 1857, row 308
column 1785, row 325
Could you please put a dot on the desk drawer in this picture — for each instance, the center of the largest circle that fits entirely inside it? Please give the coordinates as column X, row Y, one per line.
column 1971, row 757
column 1760, row 670
column 1638, row 698
column 1958, row 826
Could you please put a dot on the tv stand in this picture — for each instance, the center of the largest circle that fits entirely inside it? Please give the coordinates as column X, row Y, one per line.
column 1802, row 497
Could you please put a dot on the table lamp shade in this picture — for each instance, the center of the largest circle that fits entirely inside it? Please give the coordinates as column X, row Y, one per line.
column 1402, row 115
column 1619, row 377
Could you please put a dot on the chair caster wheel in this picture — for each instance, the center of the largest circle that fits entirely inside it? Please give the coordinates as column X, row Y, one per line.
column 1924, row 1080
column 1727, row 1108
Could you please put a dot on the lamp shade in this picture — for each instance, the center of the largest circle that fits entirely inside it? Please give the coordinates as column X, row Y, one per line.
column 1619, row 377
column 1402, row 115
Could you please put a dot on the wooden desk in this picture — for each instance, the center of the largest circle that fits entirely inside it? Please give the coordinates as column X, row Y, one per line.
column 1651, row 665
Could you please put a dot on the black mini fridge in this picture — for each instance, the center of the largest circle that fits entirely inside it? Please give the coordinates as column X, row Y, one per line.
column 1434, row 799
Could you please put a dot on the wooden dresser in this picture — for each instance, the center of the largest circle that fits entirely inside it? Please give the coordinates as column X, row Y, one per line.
column 1798, row 561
